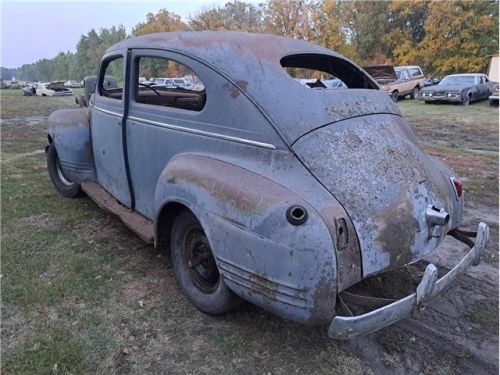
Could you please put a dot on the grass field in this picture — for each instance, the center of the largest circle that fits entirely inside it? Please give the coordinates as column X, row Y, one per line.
column 82, row 295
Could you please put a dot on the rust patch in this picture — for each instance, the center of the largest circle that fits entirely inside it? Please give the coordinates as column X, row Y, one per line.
column 234, row 90
column 349, row 267
column 238, row 188
column 324, row 299
column 397, row 231
column 242, row 84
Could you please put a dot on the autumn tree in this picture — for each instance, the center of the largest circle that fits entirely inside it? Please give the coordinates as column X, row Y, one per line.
column 163, row 21
column 234, row 16
column 458, row 36
column 336, row 24
column 299, row 19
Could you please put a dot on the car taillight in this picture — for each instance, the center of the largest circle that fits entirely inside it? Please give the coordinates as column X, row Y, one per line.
column 457, row 185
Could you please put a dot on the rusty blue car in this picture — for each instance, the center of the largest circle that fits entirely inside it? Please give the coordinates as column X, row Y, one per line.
column 263, row 189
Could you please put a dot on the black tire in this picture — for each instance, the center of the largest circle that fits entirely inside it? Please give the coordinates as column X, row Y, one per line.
column 414, row 93
column 394, row 96
column 466, row 100
column 65, row 187
column 195, row 268
column 427, row 102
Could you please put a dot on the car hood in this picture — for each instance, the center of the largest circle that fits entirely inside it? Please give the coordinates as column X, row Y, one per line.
column 373, row 166
column 381, row 73
column 447, row 88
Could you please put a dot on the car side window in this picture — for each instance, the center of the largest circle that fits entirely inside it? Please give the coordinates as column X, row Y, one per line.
column 481, row 80
column 112, row 81
column 415, row 72
column 404, row 74
column 168, row 84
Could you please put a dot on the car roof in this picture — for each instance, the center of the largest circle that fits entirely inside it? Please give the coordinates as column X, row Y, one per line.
column 464, row 74
column 252, row 62
column 407, row 67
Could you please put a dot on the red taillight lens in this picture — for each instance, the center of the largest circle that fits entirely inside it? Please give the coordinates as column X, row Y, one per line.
column 458, row 187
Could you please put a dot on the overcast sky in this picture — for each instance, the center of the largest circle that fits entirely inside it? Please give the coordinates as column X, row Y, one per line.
column 32, row 30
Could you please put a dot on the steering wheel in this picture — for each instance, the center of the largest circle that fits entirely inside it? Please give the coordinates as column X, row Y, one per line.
column 149, row 87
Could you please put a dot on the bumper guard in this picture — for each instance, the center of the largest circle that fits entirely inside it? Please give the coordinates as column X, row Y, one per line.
column 345, row 327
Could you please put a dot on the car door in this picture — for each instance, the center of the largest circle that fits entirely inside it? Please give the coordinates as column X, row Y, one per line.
column 406, row 86
column 478, row 88
column 486, row 87
column 211, row 119
column 107, row 112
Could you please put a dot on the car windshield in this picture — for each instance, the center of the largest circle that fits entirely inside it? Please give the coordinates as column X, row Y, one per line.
column 457, row 80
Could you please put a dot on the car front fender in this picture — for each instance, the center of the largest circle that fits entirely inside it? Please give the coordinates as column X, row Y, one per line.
column 69, row 130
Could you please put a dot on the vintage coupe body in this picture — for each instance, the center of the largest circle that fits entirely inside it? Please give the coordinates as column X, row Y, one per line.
column 459, row 88
column 262, row 188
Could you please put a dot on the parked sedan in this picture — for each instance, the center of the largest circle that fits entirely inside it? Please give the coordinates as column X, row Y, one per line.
column 52, row 89
column 459, row 88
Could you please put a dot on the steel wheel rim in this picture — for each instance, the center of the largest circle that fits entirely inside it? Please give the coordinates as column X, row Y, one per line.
column 60, row 174
column 200, row 262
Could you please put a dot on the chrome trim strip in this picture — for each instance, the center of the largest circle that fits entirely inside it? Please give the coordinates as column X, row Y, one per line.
column 205, row 133
column 106, row 111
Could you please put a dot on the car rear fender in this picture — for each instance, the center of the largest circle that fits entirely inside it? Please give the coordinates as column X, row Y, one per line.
column 285, row 268
column 69, row 130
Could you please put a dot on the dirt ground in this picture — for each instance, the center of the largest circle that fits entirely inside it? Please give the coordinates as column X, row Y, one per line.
column 81, row 294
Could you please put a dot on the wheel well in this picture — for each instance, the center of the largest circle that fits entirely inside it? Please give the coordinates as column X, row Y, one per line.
column 49, row 138
column 165, row 222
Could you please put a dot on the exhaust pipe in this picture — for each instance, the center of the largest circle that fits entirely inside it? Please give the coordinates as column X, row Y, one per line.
column 437, row 218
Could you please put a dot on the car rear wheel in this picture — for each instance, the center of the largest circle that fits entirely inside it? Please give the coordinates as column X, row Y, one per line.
column 414, row 93
column 395, row 96
column 62, row 184
column 195, row 268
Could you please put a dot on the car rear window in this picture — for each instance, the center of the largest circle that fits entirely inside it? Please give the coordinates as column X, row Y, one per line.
column 325, row 72
column 169, row 84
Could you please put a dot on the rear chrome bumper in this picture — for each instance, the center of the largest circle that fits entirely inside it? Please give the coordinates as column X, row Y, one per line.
column 345, row 327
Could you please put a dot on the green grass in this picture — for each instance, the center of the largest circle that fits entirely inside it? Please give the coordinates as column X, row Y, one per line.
column 73, row 277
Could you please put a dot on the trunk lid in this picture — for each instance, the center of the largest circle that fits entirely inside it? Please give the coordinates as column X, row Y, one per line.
column 375, row 169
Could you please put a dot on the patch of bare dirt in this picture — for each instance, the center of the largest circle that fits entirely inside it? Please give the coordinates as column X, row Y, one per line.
column 42, row 220
column 458, row 331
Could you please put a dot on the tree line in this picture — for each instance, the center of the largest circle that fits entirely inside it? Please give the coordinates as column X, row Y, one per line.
column 443, row 37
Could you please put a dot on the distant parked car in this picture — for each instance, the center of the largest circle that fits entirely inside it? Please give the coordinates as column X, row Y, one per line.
column 161, row 82
column 493, row 98
column 52, row 89
column 431, row 81
column 15, row 85
column 28, row 90
column 399, row 81
column 459, row 88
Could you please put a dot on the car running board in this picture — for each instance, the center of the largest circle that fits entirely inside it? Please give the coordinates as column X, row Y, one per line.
column 137, row 223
